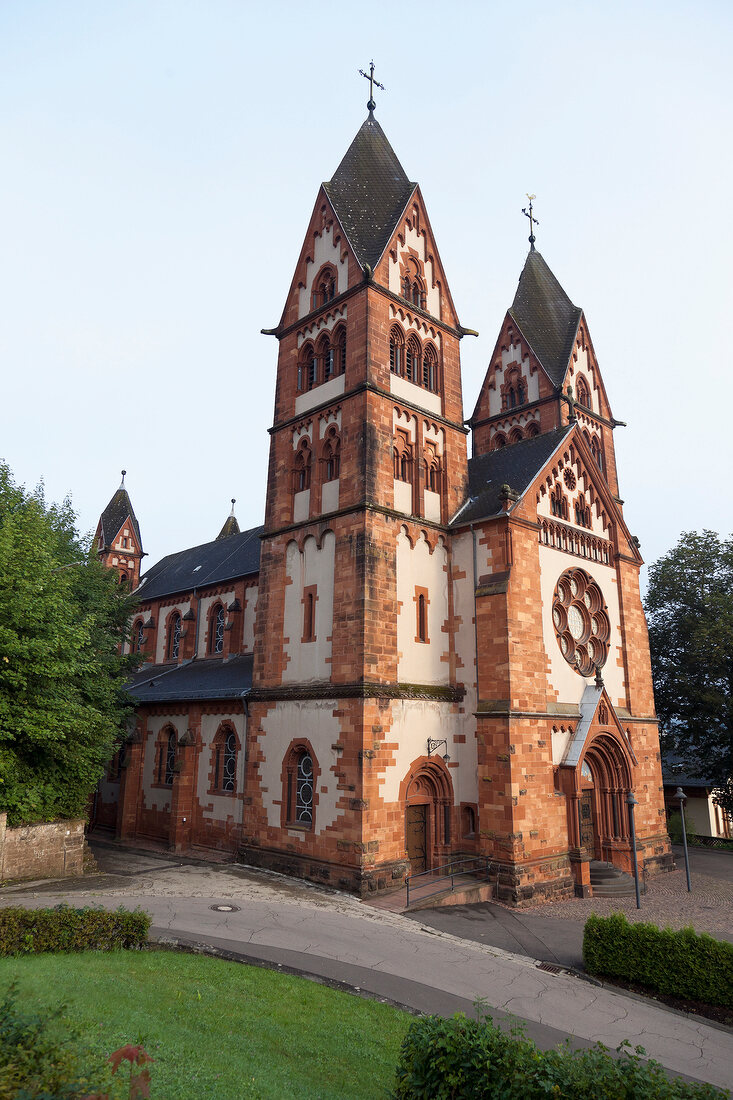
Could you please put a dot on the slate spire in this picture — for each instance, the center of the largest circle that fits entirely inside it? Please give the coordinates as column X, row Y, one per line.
column 114, row 517
column 231, row 527
column 369, row 191
column 547, row 318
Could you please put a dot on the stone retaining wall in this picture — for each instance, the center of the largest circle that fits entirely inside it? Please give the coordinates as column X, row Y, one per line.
column 41, row 851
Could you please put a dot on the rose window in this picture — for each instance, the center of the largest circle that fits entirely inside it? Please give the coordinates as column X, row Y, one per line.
column 580, row 618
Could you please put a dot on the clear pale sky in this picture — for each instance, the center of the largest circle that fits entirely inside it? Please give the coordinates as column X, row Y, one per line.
column 160, row 161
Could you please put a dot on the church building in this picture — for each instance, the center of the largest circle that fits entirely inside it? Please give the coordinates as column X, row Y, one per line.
column 420, row 655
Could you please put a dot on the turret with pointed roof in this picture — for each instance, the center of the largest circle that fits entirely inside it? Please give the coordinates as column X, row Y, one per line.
column 118, row 541
column 231, row 527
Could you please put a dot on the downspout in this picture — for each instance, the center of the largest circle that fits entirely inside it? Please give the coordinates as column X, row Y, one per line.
column 475, row 614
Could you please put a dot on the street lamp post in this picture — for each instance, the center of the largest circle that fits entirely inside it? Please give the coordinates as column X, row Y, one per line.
column 631, row 802
column 681, row 797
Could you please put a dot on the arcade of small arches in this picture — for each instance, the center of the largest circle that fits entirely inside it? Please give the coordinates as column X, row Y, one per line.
column 324, row 288
column 412, row 360
column 322, row 361
column 504, row 438
column 330, row 460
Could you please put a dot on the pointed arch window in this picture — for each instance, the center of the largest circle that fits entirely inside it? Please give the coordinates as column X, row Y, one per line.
column 174, row 637
column 597, row 453
column 225, row 760
column 137, row 638
column 306, row 369
column 516, row 435
column 583, row 394
column 498, row 441
column 300, row 788
column 402, row 453
column 421, row 613
column 324, row 288
column 324, row 359
column 432, row 469
column 340, row 351
column 166, row 763
column 430, row 369
column 216, row 629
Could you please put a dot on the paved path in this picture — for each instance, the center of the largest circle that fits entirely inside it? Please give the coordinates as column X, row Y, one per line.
column 332, row 935
column 553, row 932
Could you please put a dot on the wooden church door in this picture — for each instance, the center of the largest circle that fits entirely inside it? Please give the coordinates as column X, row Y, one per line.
column 416, row 827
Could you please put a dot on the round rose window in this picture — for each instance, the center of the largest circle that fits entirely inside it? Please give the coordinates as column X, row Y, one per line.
column 580, row 618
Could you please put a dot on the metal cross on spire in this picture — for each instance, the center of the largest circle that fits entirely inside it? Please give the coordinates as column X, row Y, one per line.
column 532, row 220
column 371, row 105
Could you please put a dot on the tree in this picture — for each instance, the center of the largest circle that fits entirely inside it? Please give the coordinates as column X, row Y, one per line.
column 689, row 606
column 62, row 618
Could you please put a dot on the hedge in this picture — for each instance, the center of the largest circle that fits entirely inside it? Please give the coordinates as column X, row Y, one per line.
column 32, row 931
column 679, row 964
column 472, row 1059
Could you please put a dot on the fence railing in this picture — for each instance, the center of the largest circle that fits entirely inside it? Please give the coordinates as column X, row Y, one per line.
column 457, row 868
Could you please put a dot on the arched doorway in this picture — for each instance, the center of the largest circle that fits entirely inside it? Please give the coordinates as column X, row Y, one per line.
column 428, row 814
column 605, row 781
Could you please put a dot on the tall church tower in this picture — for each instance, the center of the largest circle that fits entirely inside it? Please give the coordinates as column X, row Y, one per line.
column 355, row 665
column 117, row 537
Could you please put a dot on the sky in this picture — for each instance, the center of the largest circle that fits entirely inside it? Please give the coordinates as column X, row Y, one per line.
column 160, row 162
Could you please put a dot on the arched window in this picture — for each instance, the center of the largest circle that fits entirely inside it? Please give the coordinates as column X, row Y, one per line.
column 412, row 360
column 173, row 647
column 331, row 454
column 422, row 618
column 166, row 756
column 595, row 447
column 306, row 368
column 137, row 637
column 302, row 467
column 326, row 355
column 216, row 629
column 432, row 469
column 532, row 429
column 430, row 369
column 514, row 390
column 396, row 347
column 340, row 351
column 516, row 436
column 499, row 440
column 123, row 578
column 300, row 787
column 468, row 821
column 324, row 288
column 583, row 393
column 225, row 760
column 402, row 457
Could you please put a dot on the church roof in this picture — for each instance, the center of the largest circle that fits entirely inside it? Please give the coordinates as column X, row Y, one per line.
column 546, row 317
column 113, row 519
column 369, row 191
column 212, row 563
column 212, row 678
column 515, row 465
column 231, row 527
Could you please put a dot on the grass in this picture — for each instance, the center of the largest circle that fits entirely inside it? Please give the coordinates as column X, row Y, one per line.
column 219, row 1029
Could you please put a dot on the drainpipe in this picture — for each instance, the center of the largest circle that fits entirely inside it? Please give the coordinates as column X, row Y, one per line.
column 475, row 614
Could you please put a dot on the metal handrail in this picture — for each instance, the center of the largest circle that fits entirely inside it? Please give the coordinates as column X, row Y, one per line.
column 483, row 861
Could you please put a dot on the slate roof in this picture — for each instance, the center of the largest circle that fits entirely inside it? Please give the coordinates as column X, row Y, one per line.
column 231, row 527
column 212, row 678
column 212, row 563
column 113, row 518
column 369, row 191
column 547, row 318
column 675, row 773
column 515, row 465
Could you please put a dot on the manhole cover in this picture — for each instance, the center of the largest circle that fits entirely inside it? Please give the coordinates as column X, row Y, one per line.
column 225, row 908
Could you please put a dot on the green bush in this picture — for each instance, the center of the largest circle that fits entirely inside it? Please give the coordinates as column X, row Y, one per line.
column 472, row 1059
column 32, row 931
column 674, row 828
column 39, row 1057
column 680, row 964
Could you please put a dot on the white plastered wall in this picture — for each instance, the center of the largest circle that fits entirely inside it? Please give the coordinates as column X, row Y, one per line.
column 563, row 678
column 417, row 242
column 306, row 661
column 582, row 367
column 422, row 662
column 218, row 807
column 324, row 251
column 413, row 722
column 163, row 616
column 513, row 354
column 319, row 395
column 313, row 720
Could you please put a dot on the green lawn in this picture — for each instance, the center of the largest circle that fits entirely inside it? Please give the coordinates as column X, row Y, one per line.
column 219, row 1029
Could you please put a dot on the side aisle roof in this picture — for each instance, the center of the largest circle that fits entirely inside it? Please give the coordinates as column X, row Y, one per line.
column 223, row 559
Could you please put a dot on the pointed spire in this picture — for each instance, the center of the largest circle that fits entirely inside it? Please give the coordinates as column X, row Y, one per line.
column 547, row 318
column 115, row 515
column 231, row 527
column 369, row 192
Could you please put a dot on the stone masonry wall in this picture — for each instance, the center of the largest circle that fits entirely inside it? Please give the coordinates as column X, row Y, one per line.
column 41, row 851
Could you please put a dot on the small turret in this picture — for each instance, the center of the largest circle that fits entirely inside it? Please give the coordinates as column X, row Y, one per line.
column 117, row 538
column 231, row 527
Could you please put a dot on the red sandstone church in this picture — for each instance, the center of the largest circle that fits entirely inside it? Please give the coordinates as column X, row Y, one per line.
column 420, row 655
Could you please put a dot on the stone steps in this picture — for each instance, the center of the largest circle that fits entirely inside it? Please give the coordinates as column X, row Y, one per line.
column 611, row 882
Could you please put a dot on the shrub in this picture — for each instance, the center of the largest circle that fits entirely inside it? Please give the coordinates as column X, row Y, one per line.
column 472, row 1059
column 674, row 828
column 37, row 1058
column 32, row 931
column 679, row 964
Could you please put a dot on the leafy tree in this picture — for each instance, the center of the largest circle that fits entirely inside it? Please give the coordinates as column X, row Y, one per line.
column 62, row 618
column 689, row 606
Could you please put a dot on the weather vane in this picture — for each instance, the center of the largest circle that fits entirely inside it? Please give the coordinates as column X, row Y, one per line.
column 371, row 105
column 532, row 220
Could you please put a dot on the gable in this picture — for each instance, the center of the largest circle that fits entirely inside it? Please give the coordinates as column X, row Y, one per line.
column 583, row 373
column 325, row 251
column 512, row 353
column 413, row 266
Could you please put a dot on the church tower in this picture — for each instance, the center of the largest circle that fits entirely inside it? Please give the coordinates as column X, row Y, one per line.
column 355, row 665
column 117, row 537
